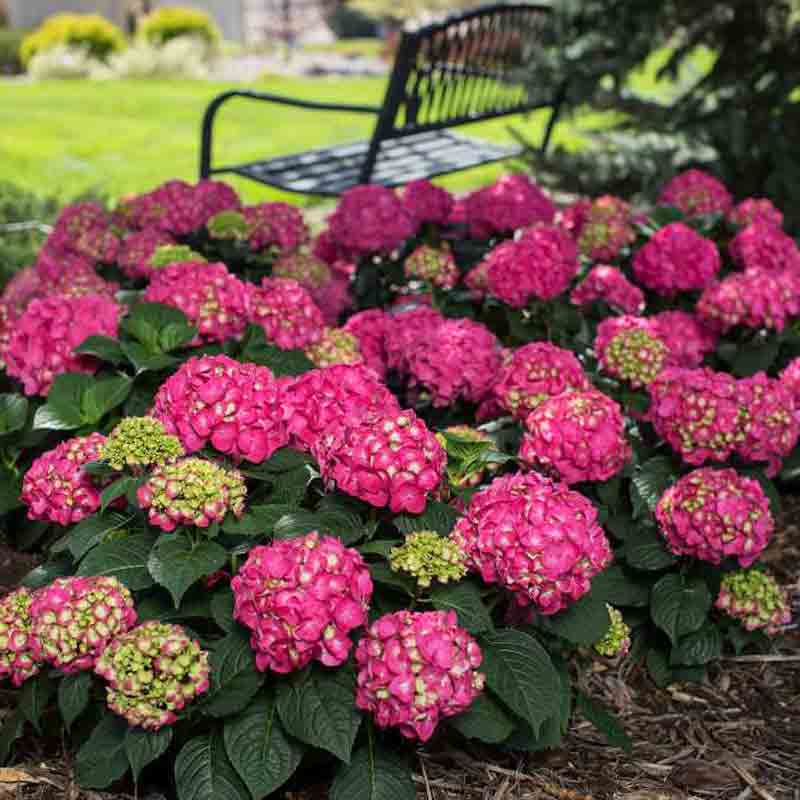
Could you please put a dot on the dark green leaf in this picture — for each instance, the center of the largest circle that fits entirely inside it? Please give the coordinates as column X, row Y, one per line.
column 260, row 749
column 145, row 360
column 203, row 771
column 618, row 587
column 289, row 488
column 147, row 321
column 659, row 668
column 222, row 608
column 63, row 409
column 698, row 648
column 381, row 573
column 102, row 347
column 34, row 697
column 649, row 482
column 144, row 747
column 284, row 460
column 257, row 521
column 117, row 489
column 374, row 773
column 755, row 356
column 439, row 517
column 316, row 706
column 234, row 677
column 255, row 350
column 175, row 335
column 679, row 606
column 124, row 558
column 608, row 724
column 10, row 488
column 13, row 413
column 102, row 396
column 520, row 672
column 485, row 720
column 583, row 623
column 73, row 696
column 645, row 550
column 12, row 728
column 101, row 759
column 47, row 572
column 91, row 531
column 465, row 599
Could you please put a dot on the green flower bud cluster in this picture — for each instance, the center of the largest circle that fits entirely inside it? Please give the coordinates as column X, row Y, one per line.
column 636, row 356
column 337, row 346
column 173, row 254
column 756, row 600
column 617, row 641
column 429, row 557
column 154, row 670
column 228, row 225
column 139, row 442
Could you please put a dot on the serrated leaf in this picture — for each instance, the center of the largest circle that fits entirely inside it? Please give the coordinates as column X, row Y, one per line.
column 607, row 723
column 62, row 411
column 289, row 488
column 234, row 677
column 104, row 395
column 678, row 606
column 47, row 572
column 102, row 760
column 73, row 696
column 439, row 517
column 51, row 419
column 13, row 413
column 255, row 350
column 144, row 747
column 203, row 771
column 34, row 697
column 649, row 482
column 260, row 749
column 12, row 728
column 344, row 525
column 583, row 623
column 645, row 549
column 147, row 321
column 145, row 360
column 91, row 531
column 485, row 720
column 519, row 671
column 381, row 573
column 614, row 585
column 175, row 335
column 381, row 547
column 465, row 599
column 316, row 707
column 103, row 347
column 257, row 520
column 659, row 668
column 285, row 459
column 10, row 489
column 117, row 489
column 125, row 559
column 222, row 608
column 374, row 773
column 176, row 563
column 698, row 648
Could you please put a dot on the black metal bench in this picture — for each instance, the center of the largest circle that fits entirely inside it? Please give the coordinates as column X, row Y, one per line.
column 466, row 69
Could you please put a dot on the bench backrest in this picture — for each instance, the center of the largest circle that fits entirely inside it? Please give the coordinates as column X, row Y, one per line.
column 465, row 69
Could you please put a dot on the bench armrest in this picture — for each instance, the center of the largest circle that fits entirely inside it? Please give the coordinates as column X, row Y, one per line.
column 214, row 105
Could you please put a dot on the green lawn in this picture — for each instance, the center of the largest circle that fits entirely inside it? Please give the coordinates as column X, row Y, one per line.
column 64, row 137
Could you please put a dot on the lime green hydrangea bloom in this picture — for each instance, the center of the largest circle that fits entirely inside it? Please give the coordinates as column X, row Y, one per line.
column 173, row 254
column 139, row 442
column 228, row 225
column 429, row 557
column 756, row 600
column 617, row 640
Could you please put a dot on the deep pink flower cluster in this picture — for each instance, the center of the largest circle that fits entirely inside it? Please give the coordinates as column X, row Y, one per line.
column 84, row 230
column 676, row 259
column 713, row 514
column 48, row 331
column 23, row 287
column 427, row 203
column 370, row 219
column 328, row 396
column 75, row 619
column 238, row 409
column 577, row 436
column 772, row 426
column 415, row 669
column 153, row 671
column 308, row 270
column 286, row 312
column 334, row 298
column 301, row 598
column 540, row 264
column 688, row 340
column 435, row 265
column 602, row 228
column 278, row 225
column 698, row 412
column 214, row 300
column 329, row 250
column 460, row 361
column 137, row 249
column 388, row 458
column 534, row 372
column 405, row 330
column 370, row 328
column 536, row 538
column 57, row 489
column 8, row 321
column 573, row 217
column 80, row 283
column 755, row 210
column 630, row 349
column 751, row 299
column 17, row 659
column 790, row 378
column 762, row 247
column 513, row 202
column 52, row 265
column 608, row 284
column 695, row 192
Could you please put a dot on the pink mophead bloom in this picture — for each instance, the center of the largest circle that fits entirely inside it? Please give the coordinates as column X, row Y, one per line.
column 84, row 230
column 137, row 249
column 540, row 264
column 532, row 373
column 790, row 378
column 236, row 408
column 714, row 514
column 630, row 349
column 75, row 619
column 773, row 425
column 405, row 330
column 23, row 287
column 415, row 669
column 334, row 298
column 45, row 335
column 310, row 272
column 698, row 412
column 284, row 309
column 755, row 209
column 8, row 321
column 56, row 488
column 751, row 299
column 762, row 247
column 386, row 459
column 602, row 227
column 371, row 219
column 511, row 203
column 17, row 659
column 301, row 599
column 370, row 328
column 334, row 346
column 427, row 202
column 695, row 192
column 460, row 361
column 577, row 436
column 687, row 338
column 608, row 284
column 213, row 300
column 327, row 396
column 279, row 225
column 435, row 265
column 676, row 259
column 153, row 671
column 534, row 537
column 756, row 600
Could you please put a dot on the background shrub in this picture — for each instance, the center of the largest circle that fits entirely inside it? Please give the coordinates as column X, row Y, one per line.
column 182, row 57
column 349, row 23
column 96, row 35
column 19, row 245
column 170, row 22
column 62, row 62
column 10, row 43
